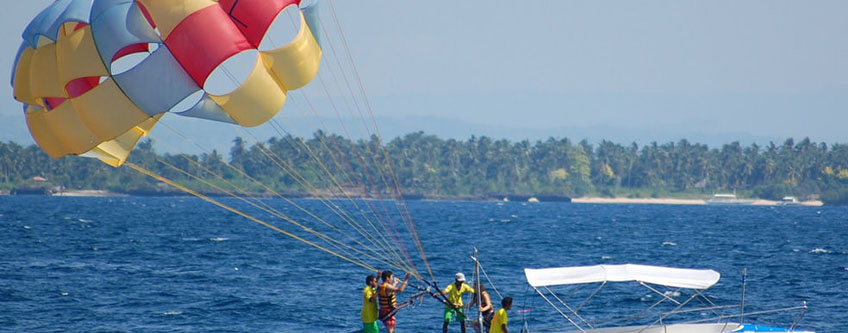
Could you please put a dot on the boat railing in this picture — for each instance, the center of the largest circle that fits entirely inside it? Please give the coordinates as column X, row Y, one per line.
column 802, row 310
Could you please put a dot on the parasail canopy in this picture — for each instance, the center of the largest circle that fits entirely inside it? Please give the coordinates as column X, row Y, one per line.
column 666, row 276
column 77, row 102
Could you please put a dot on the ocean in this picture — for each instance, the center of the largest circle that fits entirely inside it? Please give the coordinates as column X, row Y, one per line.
column 178, row 264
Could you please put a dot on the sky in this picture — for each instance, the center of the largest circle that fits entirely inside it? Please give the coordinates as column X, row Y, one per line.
column 620, row 70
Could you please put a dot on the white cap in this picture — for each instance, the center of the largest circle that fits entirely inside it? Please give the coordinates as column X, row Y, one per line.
column 460, row 277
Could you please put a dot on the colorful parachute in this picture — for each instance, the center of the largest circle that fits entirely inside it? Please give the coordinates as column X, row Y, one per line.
column 75, row 103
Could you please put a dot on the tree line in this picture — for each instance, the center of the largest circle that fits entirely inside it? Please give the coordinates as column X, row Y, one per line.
column 479, row 167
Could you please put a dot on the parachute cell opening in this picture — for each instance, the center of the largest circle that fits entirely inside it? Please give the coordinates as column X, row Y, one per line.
column 283, row 29
column 231, row 73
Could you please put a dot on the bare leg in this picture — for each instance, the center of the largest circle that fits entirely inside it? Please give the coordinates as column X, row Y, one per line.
column 445, row 327
column 462, row 326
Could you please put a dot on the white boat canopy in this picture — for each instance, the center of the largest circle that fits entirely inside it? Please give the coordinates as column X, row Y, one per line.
column 666, row 276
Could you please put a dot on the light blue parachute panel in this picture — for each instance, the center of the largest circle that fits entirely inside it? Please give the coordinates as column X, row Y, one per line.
column 156, row 84
column 40, row 25
column 119, row 26
column 48, row 22
column 310, row 13
column 206, row 108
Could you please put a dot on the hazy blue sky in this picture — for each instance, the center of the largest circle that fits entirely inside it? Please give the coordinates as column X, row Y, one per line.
column 761, row 68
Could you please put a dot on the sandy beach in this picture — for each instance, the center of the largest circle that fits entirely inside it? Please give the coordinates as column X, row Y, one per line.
column 674, row 201
column 86, row 193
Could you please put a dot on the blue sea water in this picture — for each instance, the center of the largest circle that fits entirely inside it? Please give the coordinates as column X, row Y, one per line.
column 126, row 264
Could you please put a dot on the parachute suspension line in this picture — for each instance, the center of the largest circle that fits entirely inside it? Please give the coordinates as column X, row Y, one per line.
column 245, row 215
column 335, row 243
column 337, row 210
column 394, row 234
column 405, row 209
column 377, row 165
column 344, row 193
column 361, row 160
column 242, row 173
column 308, row 149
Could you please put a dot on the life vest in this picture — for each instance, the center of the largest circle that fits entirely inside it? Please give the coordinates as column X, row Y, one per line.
column 387, row 299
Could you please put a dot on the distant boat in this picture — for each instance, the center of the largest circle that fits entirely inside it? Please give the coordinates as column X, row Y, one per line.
column 789, row 201
column 533, row 199
column 728, row 199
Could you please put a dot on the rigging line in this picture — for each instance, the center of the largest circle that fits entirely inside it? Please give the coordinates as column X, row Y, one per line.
column 292, row 141
column 347, row 218
column 242, row 173
column 269, row 209
column 242, row 214
column 394, row 234
column 377, row 130
column 356, row 151
column 489, row 279
column 351, row 222
column 347, row 84
column 377, row 165
column 335, row 160
column 318, row 160
column 333, row 242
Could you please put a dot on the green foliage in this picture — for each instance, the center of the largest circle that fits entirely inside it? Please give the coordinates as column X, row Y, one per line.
column 478, row 167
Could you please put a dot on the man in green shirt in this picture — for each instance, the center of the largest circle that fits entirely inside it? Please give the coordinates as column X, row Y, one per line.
column 454, row 304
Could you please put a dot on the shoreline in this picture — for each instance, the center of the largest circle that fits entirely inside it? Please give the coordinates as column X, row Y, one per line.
column 676, row 201
column 579, row 200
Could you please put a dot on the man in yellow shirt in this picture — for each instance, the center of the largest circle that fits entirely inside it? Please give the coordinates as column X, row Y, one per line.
column 454, row 304
column 369, row 305
column 500, row 320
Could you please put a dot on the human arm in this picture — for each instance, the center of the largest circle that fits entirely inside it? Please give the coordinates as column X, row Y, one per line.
column 405, row 282
column 487, row 301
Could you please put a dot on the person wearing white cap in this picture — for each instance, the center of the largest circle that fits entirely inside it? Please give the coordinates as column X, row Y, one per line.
column 454, row 305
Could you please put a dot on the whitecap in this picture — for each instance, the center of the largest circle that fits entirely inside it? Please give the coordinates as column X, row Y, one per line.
column 172, row 313
column 820, row 250
column 191, row 239
column 491, row 220
column 669, row 244
column 85, row 220
column 514, row 216
column 27, row 227
column 219, row 239
column 504, row 220
column 606, row 257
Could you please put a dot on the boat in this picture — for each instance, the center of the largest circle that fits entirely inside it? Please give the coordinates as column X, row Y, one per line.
column 728, row 199
column 677, row 298
column 789, row 201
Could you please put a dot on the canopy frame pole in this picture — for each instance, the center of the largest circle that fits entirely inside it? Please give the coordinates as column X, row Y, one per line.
column 659, row 293
column 577, row 315
column 675, row 310
column 595, row 292
column 558, row 310
column 742, row 301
